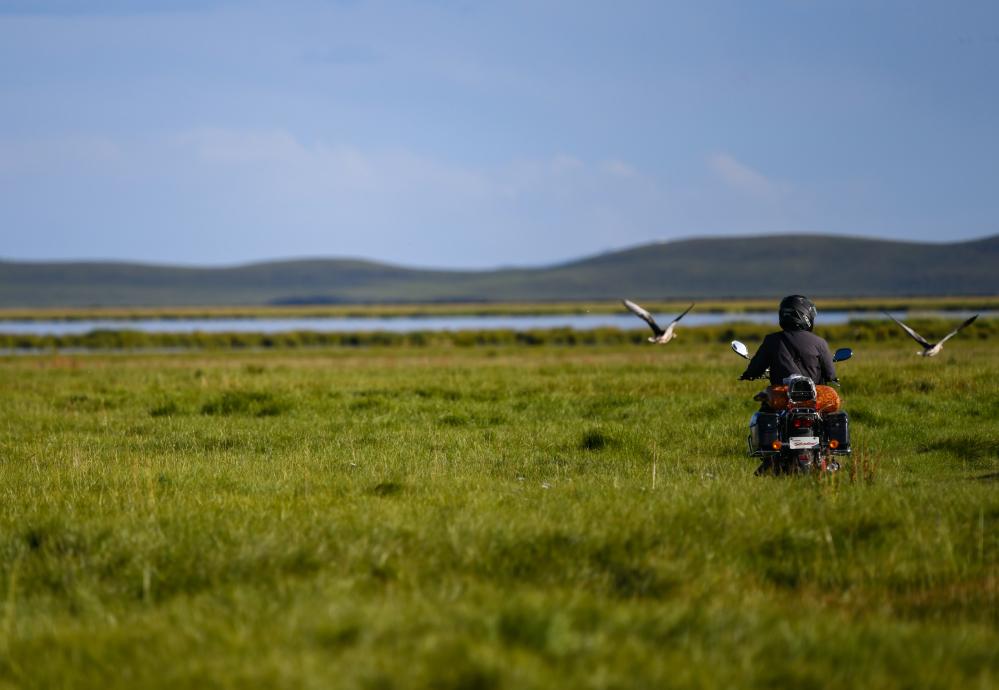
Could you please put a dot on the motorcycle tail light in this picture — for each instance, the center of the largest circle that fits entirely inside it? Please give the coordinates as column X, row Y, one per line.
column 833, row 443
column 776, row 445
column 802, row 422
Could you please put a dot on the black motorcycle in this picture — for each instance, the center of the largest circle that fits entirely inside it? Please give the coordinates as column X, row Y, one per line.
column 791, row 432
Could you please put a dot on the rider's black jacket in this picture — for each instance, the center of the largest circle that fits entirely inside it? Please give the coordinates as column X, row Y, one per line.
column 792, row 352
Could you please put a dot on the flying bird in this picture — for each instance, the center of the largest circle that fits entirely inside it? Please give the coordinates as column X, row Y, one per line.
column 661, row 336
column 931, row 349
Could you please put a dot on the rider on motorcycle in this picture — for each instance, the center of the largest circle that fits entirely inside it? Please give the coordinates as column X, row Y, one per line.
column 794, row 349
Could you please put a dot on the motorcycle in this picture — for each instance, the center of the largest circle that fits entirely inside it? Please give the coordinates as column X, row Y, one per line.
column 797, row 431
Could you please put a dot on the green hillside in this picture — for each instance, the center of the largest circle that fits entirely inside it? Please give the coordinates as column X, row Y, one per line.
column 696, row 268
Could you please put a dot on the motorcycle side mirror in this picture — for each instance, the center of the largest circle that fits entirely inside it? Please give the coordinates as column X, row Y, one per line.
column 740, row 349
column 842, row 353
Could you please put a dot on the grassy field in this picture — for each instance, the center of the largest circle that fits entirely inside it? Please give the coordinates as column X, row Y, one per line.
column 490, row 517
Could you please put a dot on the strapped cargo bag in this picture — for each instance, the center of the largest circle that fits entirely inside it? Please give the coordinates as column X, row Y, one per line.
column 776, row 398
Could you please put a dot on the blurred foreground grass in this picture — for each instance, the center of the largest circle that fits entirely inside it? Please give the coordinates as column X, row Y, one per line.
column 484, row 517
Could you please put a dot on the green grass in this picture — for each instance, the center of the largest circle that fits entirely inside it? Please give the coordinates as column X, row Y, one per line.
column 489, row 517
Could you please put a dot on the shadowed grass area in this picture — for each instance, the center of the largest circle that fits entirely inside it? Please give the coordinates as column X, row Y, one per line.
column 255, row 403
column 489, row 517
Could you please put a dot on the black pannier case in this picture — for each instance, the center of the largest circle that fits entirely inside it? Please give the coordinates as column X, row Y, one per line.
column 838, row 429
column 763, row 431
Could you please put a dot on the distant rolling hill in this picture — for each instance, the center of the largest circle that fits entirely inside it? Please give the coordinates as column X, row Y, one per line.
column 717, row 267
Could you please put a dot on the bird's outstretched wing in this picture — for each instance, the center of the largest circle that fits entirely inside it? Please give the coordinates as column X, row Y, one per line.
column 683, row 314
column 915, row 336
column 644, row 316
column 954, row 332
column 669, row 329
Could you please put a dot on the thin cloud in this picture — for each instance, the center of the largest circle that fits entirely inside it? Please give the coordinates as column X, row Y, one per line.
column 745, row 179
column 214, row 185
column 620, row 169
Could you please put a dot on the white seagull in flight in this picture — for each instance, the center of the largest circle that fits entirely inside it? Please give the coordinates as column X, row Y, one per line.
column 931, row 349
column 662, row 336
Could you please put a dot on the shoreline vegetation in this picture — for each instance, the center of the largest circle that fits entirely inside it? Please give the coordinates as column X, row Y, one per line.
column 435, row 309
column 853, row 332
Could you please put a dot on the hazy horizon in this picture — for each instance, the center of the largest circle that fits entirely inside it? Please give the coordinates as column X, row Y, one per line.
column 375, row 260
column 453, row 135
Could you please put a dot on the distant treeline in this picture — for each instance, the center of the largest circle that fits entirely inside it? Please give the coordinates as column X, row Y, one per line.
column 842, row 334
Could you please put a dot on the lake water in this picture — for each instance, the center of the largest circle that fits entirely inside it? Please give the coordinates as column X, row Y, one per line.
column 407, row 324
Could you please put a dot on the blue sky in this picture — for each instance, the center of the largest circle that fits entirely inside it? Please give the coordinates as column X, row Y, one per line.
column 472, row 134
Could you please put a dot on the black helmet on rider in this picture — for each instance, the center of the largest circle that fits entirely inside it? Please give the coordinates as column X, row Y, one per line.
column 797, row 313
